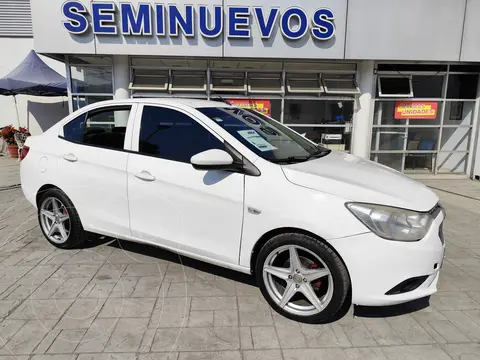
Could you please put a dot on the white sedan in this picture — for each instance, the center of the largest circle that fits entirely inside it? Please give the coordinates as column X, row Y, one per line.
column 235, row 188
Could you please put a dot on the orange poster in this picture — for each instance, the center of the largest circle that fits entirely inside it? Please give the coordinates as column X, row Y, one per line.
column 262, row 106
column 415, row 110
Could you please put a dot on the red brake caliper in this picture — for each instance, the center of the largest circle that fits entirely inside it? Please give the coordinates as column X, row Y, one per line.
column 317, row 283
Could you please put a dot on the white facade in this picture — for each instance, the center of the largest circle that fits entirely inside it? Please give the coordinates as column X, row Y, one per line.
column 118, row 50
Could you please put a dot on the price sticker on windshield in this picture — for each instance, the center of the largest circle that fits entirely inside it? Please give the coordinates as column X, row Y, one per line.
column 256, row 140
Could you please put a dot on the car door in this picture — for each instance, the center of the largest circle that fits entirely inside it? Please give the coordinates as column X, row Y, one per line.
column 92, row 167
column 171, row 203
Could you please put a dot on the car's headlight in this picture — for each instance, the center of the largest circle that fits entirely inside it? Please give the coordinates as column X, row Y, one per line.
column 392, row 223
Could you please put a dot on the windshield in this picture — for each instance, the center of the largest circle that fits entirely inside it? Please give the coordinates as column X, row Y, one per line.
column 264, row 136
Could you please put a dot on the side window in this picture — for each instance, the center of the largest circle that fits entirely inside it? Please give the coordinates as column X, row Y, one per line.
column 172, row 135
column 73, row 131
column 104, row 127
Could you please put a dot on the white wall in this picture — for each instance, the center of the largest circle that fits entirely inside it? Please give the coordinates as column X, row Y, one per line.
column 40, row 112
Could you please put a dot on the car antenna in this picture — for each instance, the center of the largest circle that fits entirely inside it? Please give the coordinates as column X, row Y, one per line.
column 220, row 98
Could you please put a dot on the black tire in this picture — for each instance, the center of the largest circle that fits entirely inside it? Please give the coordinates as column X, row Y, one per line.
column 341, row 279
column 77, row 235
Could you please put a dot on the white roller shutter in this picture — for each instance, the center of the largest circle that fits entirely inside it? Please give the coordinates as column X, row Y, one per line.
column 15, row 18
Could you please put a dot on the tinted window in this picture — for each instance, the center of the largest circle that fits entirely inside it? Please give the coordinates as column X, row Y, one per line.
column 172, row 135
column 107, row 128
column 73, row 131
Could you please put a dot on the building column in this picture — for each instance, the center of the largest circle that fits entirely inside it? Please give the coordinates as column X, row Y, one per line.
column 362, row 119
column 121, row 80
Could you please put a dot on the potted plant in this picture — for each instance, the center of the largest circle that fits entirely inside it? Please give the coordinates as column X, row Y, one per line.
column 8, row 135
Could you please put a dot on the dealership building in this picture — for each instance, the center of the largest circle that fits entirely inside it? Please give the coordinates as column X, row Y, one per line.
column 395, row 81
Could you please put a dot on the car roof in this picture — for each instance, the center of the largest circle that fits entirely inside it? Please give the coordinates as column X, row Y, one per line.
column 194, row 103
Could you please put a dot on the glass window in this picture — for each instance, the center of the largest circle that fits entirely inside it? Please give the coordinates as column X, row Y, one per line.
column 459, row 113
column 82, row 101
column 305, row 112
column 266, row 83
column 144, row 79
column 390, row 112
column 422, row 139
column 427, row 86
column 107, row 127
column 340, row 84
column 462, row 86
column 92, row 79
column 264, row 136
column 333, row 138
column 188, row 81
column 455, row 139
column 304, row 83
column 173, row 135
column 394, row 161
column 389, row 138
column 228, row 81
column 452, row 162
column 73, row 131
column 399, row 86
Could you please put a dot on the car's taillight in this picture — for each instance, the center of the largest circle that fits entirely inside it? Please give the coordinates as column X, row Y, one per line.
column 24, row 152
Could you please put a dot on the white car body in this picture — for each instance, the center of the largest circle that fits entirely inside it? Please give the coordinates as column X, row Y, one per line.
column 220, row 217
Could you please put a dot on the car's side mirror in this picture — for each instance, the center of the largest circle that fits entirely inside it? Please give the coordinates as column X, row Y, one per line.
column 213, row 159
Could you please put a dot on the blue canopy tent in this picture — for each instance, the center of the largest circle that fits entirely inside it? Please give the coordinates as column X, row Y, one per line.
column 33, row 77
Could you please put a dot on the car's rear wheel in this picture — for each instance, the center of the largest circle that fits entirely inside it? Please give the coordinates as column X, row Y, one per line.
column 302, row 278
column 59, row 220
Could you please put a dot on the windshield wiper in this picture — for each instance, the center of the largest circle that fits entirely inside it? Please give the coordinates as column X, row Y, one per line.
column 298, row 159
column 319, row 154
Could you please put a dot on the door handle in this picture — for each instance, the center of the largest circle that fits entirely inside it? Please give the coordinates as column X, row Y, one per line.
column 145, row 176
column 70, row 157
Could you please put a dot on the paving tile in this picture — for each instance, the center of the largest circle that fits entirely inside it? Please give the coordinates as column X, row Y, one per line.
column 147, row 341
column 109, row 273
column 77, row 271
column 314, row 354
column 41, row 309
column 262, row 355
column 197, row 339
column 54, row 357
column 264, row 337
column 47, row 289
column 170, row 312
column 127, row 336
column 289, row 333
column 66, row 341
column 97, row 290
column 128, row 308
column 464, row 323
column 7, row 306
column 201, row 319
column 131, row 356
column 218, row 355
column 453, row 301
column 47, row 341
column 255, row 318
column 81, row 314
column 225, row 318
column 159, row 356
column 29, row 336
column 418, row 352
column 358, row 334
column 463, row 351
column 410, row 330
column 246, row 341
column 448, row 331
column 179, row 273
column 365, row 354
column 382, row 332
column 252, row 303
column 330, row 335
column 97, row 336
column 147, row 286
column 206, row 288
column 71, row 288
column 145, row 270
column 214, row 303
column 8, row 328
column 124, row 287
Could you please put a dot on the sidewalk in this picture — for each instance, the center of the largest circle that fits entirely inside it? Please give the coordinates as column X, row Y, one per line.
column 466, row 188
column 9, row 172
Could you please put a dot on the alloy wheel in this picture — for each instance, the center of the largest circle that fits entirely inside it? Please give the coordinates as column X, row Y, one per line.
column 55, row 220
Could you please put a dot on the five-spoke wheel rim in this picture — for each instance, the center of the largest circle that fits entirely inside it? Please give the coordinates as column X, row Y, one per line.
column 55, row 220
column 298, row 280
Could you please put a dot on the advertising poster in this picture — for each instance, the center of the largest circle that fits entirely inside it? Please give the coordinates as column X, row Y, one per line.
column 415, row 110
column 262, row 106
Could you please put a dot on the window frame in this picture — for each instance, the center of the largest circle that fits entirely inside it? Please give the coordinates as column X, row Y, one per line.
column 379, row 82
column 132, row 107
column 214, row 75
column 185, row 73
column 258, row 75
column 355, row 90
column 292, row 76
column 166, row 75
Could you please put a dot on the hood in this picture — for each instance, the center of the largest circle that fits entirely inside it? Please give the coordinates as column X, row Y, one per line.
column 361, row 180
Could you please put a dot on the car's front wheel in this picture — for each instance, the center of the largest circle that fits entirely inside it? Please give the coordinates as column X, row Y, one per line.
column 302, row 278
column 59, row 220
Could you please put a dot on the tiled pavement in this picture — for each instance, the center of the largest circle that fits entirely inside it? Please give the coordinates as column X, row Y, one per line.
column 120, row 301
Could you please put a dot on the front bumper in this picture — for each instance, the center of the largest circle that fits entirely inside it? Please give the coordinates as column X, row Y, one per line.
column 377, row 265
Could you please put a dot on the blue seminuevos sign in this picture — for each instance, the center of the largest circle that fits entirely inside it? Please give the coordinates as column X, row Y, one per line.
column 169, row 20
